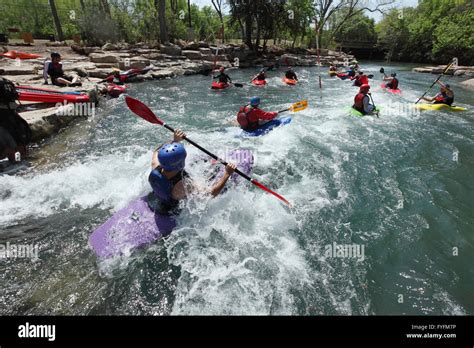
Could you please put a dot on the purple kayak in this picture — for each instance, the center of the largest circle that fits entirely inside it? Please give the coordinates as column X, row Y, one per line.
column 137, row 225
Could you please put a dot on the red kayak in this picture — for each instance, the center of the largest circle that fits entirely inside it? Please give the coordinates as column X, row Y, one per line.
column 43, row 95
column 21, row 55
column 343, row 76
column 393, row 91
column 259, row 82
column 115, row 90
column 219, row 85
column 290, row 81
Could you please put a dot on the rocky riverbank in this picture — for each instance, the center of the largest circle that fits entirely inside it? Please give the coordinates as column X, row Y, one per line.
column 459, row 71
column 93, row 64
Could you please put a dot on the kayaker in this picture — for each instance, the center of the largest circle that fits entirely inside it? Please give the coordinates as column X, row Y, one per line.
column 261, row 76
column 351, row 72
column 223, row 77
column 445, row 95
column 54, row 69
column 332, row 67
column 170, row 181
column 15, row 133
column 361, row 79
column 392, row 81
column 290, row 74
column 362, row 101
column 116, row 78
column 250, row 117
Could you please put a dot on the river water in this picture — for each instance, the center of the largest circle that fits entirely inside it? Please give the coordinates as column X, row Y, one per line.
column 398, row 187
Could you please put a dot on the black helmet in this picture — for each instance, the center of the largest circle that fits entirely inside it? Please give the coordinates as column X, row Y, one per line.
column 393, row 74
column 55, row 55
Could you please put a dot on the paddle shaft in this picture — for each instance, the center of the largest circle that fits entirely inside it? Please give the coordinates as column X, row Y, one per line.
column 429, row 89
column 375, row 108
column 209, row 153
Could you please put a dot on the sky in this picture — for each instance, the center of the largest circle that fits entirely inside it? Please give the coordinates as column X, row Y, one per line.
column 377, row 16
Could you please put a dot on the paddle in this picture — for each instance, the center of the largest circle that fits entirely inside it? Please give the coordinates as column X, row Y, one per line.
column 444, row 71
column 375, row 108
column 239, row 85
column 144, row 112
column 298, row 106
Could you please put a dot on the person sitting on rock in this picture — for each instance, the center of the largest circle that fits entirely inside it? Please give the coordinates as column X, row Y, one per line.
column 251, row 118
column 290, row 74
column 54, row 69
column 223, row 77
column 445, row 95
column 15, row 133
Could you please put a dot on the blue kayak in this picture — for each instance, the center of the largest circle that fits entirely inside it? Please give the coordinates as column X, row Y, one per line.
column 267, row 127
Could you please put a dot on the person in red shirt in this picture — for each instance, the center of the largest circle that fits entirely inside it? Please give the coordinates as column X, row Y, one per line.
column 361, row 79
column 251, row 117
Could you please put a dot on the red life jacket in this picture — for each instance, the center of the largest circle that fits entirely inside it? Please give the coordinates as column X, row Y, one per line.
column 364, row 80
column 359, row 102
column 246, row 118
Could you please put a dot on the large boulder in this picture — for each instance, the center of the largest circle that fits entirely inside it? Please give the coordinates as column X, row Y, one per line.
column 100, row 73
column 162, row 74
column 203, row 44
column 276, row 50
column 134, row 63
column 287, row 59
column 193, row 55
column 205, row 51
column 468, row 84
column 194, row 46
column 170, row 50
column 109, row 47
column 103, row 58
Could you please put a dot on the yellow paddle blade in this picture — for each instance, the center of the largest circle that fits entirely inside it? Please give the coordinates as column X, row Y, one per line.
column 298, row 106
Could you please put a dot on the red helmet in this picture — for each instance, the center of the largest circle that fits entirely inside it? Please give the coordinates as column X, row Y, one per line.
column 364, row 87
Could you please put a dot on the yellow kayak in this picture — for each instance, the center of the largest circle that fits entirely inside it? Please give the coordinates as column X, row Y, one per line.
column 332, row 73
column 439, row 107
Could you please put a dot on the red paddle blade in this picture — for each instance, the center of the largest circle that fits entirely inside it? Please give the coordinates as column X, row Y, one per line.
column 142, row 110
column 264, row 188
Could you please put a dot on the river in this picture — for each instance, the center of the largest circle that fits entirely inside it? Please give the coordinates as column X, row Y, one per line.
column 399, row 187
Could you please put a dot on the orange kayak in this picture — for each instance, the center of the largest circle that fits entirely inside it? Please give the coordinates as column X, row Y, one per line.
column 289, row 81
column 21, row 55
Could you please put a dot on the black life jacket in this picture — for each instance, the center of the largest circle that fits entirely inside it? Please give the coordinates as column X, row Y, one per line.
column 443, row 98
column 8, row 93
column 55, row 71
column 392, row 84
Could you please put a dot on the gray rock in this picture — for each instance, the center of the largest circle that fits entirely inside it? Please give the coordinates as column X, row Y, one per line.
column 103, row 58
column 134, row 63
column 468, row 84
column 162, row 74
column 109, row 47
column 193, row 55
column 170, row 50
column 100, row 73
column 193, row 46
column 205, row 51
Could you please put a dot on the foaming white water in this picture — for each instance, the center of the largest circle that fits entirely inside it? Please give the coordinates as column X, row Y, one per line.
column 230, row 252
column 109, row 181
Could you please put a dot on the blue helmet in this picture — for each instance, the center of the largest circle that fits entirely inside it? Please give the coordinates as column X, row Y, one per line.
column 172, row 156
column 255, row 101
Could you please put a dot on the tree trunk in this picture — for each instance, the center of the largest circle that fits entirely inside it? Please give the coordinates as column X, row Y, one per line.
column 248, row 28
column 161, row 8
column 189, row 13
column 57, row 23
column 83, row 6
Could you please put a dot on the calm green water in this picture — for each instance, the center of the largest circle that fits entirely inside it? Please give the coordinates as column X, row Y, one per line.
column 399, row 186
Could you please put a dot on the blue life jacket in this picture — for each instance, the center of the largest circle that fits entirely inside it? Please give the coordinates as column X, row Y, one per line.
column 162, row 190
